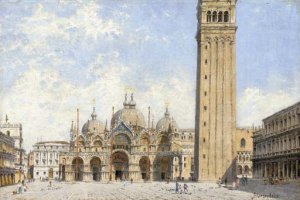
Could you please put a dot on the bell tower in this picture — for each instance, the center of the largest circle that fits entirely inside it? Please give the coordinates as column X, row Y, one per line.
column 216, row 90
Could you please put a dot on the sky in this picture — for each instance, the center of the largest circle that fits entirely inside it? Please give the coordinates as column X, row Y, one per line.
column 56, row 56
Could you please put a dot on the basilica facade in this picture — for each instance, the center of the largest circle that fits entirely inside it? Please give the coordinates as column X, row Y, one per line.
column 128, row 149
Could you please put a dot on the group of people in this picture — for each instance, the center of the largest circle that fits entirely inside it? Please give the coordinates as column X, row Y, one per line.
column 236, row 183
column 21, row 188
column 178, row 188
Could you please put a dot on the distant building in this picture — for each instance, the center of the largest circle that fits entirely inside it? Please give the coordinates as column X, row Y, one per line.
column 7, row 158
column 131, row 149
column 45, row 157
column 15, row 131
column 30, row 164
column 277, row 145
column 244, row 149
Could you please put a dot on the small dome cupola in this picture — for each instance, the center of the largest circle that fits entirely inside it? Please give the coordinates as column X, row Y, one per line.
column 166, row 123
column 94, row 115
column 167, row 114
column 132, row 103
column 130, row 115
column 125, row 103
column 93, row 125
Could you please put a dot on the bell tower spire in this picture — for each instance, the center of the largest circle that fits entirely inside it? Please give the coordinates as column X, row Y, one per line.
column 215, row 90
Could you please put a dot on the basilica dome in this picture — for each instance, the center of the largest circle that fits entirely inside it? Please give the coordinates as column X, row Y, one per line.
column 93, row 125
column 129, row 114
column 166, row 122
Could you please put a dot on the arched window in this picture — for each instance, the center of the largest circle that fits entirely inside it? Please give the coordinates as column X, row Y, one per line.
column 208, row 15
column 214, row 16
column 243, row 142
column 226, row 16
column 220, row 15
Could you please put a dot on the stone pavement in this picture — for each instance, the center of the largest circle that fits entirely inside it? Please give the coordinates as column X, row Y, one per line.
column 153, row 190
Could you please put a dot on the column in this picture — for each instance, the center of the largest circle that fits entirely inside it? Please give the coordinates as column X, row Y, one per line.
column 283, row 170
column 292, row 170
column 288, row 169
column 265, row 165
column 278, row 169
column 297, row 168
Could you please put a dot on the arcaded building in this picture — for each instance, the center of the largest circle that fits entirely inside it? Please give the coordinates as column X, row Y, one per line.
column 7, row 158
column 129, row 148
column 276, row 147
column 15, row 131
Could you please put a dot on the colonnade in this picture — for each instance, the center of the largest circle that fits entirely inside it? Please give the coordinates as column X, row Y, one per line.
column 281, row 169
column 6, row 179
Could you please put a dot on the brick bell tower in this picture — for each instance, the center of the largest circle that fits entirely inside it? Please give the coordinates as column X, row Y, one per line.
column 216, row 90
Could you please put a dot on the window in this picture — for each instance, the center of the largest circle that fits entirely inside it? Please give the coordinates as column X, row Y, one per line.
column 205, row 46
column 205, row 76
column 44, row 173
column 208, row 16
column 205, row 93
column 205, row 61
column 184, row 158
column 220, row 15
column 205, row 107
column 226, row 16
column 203, row 139
column 37, row 173
column 204, row 123
column 184, row 165
column 214, row 17
column 243, row 142
column 204, row 156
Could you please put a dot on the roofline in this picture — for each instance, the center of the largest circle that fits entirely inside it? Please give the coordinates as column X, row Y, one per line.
column 47, row 142
column 282, row 111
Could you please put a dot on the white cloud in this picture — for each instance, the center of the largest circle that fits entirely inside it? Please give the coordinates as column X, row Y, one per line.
column 256, row 104
column 44, row 25
column 45, row 103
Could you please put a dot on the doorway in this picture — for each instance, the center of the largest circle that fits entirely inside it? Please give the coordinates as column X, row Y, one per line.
column 118, row 175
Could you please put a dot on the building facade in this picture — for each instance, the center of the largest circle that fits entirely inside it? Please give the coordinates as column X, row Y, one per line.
column 128, row 149
column 7, row 158
column 276, row 150
column 244, row 149
column 15, row 131
column 46, row 159
column 215, row 91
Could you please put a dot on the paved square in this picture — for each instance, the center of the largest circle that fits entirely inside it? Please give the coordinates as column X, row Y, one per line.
column 153, row 190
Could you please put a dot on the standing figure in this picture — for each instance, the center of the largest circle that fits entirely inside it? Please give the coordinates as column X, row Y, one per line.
column 185, row 188
column 176, row 187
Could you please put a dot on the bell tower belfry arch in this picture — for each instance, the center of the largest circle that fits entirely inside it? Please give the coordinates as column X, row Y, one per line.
column 215, row 90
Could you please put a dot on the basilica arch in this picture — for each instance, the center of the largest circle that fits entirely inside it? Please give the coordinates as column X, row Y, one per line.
column 120, row 165
column 144, row 165
column 77, row 166
column 95, row 167
column 163, row 168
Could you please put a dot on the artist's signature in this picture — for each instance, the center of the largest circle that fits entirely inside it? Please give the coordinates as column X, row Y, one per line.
column 265, row 196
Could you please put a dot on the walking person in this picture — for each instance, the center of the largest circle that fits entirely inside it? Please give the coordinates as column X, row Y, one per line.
column 219, row 182
column 237, row 182
column 243, row 180
column 185, row 188
column 176, row 187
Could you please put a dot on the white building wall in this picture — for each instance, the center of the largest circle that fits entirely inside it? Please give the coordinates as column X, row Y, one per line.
column 46, row 157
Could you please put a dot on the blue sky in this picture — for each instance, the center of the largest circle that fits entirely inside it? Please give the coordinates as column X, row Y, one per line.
column 56, row 56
